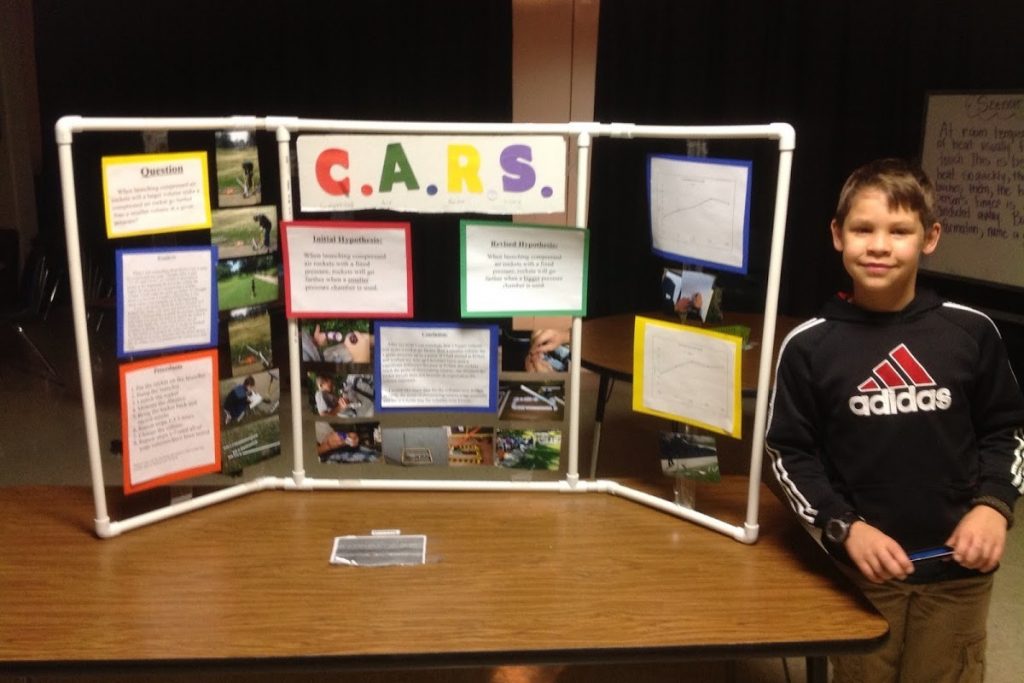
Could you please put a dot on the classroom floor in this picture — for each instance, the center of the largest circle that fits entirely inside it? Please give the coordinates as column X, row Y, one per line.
column 41, row 442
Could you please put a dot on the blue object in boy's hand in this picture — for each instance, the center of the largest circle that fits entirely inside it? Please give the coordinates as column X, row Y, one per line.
column 941, row 552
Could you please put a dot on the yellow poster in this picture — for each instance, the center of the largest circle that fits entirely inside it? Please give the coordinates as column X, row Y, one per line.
column 152, row 193
column 688, row 374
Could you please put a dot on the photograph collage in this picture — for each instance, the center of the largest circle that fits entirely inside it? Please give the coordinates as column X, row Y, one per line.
column 245, row 233
column 338, row 383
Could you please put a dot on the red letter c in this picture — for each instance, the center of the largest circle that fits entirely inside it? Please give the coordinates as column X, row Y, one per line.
column 327, row 160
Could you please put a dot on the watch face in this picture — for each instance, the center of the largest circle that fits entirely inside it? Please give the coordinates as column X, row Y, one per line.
column 836, row 530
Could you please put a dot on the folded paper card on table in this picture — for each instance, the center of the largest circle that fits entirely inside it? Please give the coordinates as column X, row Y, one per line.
column 379, row 550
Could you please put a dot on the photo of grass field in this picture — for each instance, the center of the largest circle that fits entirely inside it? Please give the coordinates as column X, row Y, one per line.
column 238, row 169
column 237, row 233
column 249, row 340
column 247, row 282
column 249, row 444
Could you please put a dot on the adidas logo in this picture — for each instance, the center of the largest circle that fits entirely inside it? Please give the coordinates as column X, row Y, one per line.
column 899, row 384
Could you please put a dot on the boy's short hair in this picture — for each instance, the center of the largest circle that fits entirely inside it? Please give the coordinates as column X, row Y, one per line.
column 905, row 185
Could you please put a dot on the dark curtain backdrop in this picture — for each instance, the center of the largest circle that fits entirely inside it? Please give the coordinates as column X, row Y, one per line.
column 427, row 60
column 389, row 59
column 850, row 75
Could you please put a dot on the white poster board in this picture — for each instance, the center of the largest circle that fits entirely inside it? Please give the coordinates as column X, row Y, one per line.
column 167, row 299
column 511, row 269
column 700, row 210
column 347, row 269
column 433, row 173
column 151, row 193
column 973, row 151
column 170, row 422
column 688, row 374
column 436, row 367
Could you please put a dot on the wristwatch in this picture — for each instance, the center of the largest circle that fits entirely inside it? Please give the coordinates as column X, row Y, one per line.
column 837, row 529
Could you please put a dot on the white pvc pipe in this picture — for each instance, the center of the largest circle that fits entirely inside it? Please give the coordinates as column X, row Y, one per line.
column 768, row 330
column 736, row 532
column 781, row 131
column 449, row 485
column 78, row 124
column 283, row 126
column 428, row 127
column 576, row 336
column 294, row 348
column 739, row 533
column 111, row 529
column 74, row 256
column 772, row 131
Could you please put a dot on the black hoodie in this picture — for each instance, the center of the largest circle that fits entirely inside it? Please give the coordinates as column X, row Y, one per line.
column 901, row 418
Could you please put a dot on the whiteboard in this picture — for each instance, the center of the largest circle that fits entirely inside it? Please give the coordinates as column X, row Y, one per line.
column 973, row 150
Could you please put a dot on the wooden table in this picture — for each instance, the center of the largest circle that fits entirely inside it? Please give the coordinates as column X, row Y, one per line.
column 513, row 578
column 607, row 349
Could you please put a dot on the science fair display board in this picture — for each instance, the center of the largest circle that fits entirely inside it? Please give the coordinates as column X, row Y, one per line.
column 350, row 303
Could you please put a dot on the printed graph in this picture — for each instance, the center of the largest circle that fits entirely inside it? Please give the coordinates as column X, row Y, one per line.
column 699, row 210
column 687, row 374
column 693, row 211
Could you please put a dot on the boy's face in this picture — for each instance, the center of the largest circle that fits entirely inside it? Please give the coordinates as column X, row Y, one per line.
column 881, row 250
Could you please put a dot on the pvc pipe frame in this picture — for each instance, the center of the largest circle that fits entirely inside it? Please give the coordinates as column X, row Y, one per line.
column 584, row 132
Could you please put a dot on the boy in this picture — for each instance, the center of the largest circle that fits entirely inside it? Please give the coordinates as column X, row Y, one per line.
column 265, row 227
column 896, row 426
column 327, row 400
column 247, row 179
column 236, row 403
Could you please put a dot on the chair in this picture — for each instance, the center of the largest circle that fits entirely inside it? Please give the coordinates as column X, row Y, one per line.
column 39, row 287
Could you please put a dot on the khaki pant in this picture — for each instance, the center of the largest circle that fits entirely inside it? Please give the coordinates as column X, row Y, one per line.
column 936, row 633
